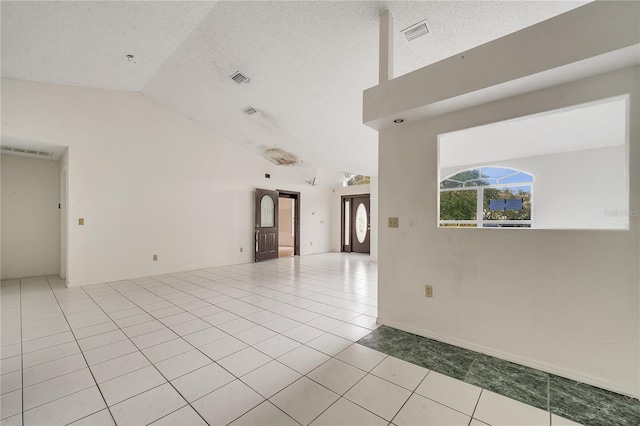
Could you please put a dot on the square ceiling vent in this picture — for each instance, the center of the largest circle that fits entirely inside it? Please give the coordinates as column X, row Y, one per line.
column 239, row 78
column 416, row 30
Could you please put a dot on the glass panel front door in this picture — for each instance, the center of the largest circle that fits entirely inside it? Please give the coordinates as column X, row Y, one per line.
column 356, row 223
column 361, row 223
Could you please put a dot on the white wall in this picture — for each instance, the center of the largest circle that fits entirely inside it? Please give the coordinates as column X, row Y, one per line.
column 30, row 217
column 149, row 181
column 573, row 190
column 570, row 302
column 285, row 215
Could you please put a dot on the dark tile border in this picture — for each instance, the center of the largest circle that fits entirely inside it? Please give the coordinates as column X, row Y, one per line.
column 567, row 398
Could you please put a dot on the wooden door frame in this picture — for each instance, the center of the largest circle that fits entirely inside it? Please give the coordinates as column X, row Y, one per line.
column 296, row 220
column 64, row 225
column 342, row 200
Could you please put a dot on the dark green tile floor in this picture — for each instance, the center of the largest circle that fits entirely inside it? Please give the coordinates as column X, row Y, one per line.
column 567, row 398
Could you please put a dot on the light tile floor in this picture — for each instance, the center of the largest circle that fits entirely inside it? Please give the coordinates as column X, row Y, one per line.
column 256, row 344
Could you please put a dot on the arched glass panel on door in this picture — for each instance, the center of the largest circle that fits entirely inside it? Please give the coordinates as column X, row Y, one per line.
column 361, row 223
column 267, row 212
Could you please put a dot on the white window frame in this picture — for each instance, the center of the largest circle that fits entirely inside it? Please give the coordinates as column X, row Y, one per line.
column 480, row 221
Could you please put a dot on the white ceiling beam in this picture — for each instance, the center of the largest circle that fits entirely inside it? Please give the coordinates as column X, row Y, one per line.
column 549, row 52
column 386, row 47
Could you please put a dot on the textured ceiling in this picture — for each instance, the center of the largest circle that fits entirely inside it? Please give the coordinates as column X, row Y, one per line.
column 85, row 43
column 308, row 61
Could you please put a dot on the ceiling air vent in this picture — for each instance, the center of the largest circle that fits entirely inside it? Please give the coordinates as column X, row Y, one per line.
column 249, row 110
column 239, row 78
column 416, row 30
column 28, row 151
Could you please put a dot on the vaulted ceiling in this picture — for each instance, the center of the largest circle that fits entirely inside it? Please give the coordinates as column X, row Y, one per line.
column 308, row 62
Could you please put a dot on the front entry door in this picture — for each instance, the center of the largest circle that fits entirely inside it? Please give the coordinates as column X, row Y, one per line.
column 360, row 225
column 266, row 224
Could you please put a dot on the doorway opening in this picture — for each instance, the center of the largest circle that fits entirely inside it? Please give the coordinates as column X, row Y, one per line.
column 289, row 224
column 356, row 223
column 277, row 224
column 34, row 206
column 286, row 229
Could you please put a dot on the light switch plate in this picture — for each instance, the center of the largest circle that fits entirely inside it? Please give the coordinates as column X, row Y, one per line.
column 81, row 221
column 393, row 222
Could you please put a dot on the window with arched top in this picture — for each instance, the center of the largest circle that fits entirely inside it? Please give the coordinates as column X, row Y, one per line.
column 353, row 180
column 486, row 197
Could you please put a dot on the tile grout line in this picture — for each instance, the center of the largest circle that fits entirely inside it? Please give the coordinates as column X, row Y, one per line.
column 233, row 375
column 317, row 292
column 340, row 396
column 196, row 348
column 85, row 359
column 151, row 364
column 290, row 384
column 240, row 317
column 464, row 379
column 262, row 287
column 549, row 395
column 477, row 403
column 547, row 407
column 237, row 378
column 52, row 346
column 54, row 360
column 407, row 400
column 21, row 354
column 413, row 392
column 473, row 362
column 232, row 297
column 176, row 410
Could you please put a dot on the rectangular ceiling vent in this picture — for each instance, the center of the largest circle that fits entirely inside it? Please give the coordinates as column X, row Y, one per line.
column 416, row 30
column 27, row 151
column 239, row 78
column 249, row 110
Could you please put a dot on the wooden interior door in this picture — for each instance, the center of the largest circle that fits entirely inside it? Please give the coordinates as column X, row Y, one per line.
column 266, row 224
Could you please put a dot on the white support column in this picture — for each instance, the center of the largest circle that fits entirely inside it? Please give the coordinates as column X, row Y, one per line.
column 386, row 47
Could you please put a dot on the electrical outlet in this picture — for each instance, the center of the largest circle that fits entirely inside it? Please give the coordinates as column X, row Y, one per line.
column 393, row 222
column 155, row 257
column 81, row 221
column 241, row 249
column 428, row 291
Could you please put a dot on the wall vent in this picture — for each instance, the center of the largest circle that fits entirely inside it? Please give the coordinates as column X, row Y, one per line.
column 26, row 151
column 239, row 78
column 416, row 30
column 249, row 110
